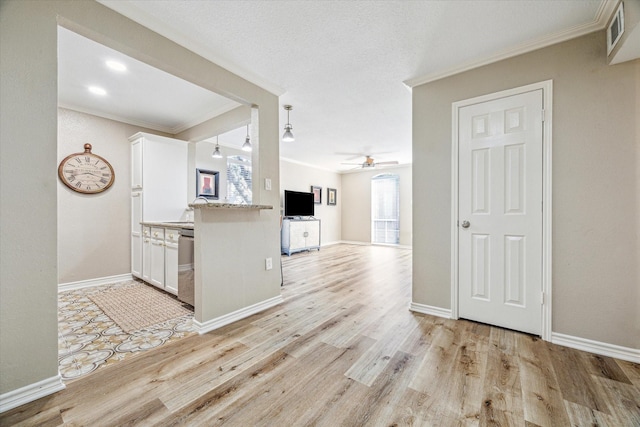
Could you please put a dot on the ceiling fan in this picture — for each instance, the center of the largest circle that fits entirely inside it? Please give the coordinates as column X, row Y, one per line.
column 369, row 162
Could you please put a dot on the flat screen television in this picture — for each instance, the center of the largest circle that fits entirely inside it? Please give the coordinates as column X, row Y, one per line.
column 297, row 203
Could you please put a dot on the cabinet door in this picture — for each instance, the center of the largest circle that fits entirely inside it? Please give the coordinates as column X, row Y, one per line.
column 297, row 235
column 146, row 254
column 313, row 233
column 136, row 234
column 171, row 261
column 136, row 164
column 156, row 276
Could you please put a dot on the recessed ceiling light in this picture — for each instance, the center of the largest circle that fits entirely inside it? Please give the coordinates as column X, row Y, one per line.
column 97, row 90
column 116, row 66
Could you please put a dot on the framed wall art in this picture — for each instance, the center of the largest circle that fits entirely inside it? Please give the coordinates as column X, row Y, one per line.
column 317, row 194
column 332, row 196
column 207, row 183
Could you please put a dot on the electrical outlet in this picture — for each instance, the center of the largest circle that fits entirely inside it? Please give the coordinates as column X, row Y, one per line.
column 268, row 264
column 267, row 183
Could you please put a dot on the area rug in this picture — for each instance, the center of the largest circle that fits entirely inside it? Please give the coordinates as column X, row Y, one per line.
column 138, row 307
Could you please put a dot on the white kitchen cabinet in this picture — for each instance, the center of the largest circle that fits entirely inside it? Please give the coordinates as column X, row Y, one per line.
column 156, row 273
column 146, row 254
column 300, row 235
column 159, row 181
column 136, row 234
column 171, row 238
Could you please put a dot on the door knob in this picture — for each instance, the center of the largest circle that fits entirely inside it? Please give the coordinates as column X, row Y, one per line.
column 465, row 224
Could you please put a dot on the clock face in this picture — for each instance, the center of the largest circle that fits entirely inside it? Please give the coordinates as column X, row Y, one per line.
column 86, row 173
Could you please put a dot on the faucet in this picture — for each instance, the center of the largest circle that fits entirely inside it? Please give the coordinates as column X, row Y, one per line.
column 202, row 198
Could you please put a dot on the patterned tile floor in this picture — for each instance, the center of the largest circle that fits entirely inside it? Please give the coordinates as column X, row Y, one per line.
column 88, row 339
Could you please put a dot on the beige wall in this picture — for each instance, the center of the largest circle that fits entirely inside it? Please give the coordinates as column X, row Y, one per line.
column 29, row 158
column 356, row 201
column 297, row 177
column 94, row 231
column 596, row 186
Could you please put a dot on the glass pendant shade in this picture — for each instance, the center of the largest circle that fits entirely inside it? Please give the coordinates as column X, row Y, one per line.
column 287, row 136
column 216, row 153
column 247, row 142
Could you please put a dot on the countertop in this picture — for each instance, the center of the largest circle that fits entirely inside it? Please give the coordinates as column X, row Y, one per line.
column 169, row 224
column 227, row 206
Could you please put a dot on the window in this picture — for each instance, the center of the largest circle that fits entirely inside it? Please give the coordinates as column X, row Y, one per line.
column 239, row 180
column 385, row 209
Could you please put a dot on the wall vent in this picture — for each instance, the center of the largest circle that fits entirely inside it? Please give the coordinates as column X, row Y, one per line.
column 615, row 28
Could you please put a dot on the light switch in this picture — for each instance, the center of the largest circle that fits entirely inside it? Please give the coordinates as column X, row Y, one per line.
column 267, row 183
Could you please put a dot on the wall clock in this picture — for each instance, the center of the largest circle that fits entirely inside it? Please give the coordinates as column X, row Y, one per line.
column 86, row 172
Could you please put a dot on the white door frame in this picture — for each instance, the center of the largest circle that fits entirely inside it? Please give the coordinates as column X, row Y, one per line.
column 547, row 93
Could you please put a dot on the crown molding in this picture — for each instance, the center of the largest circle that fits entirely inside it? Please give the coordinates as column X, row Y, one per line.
column 604, row 12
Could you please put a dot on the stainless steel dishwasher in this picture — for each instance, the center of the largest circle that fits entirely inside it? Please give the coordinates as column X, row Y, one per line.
column 186, row 270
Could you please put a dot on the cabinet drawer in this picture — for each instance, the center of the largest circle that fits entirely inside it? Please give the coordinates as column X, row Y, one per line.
column 157, row 233
column 171, row 235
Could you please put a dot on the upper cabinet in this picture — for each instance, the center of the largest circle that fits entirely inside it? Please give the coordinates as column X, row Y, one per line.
column 159, row 171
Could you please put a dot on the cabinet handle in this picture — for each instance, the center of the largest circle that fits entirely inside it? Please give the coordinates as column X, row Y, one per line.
column 155, row 234
column 146, row 240
column 171, row 236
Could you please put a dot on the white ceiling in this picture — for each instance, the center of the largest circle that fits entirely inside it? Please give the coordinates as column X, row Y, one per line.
column 343, row 65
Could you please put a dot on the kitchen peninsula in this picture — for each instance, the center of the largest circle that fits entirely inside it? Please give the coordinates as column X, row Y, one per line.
column 232, row 273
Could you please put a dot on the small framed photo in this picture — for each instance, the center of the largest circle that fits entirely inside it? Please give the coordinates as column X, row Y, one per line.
column 332, row 196
column 317, row 194
column 207, row 183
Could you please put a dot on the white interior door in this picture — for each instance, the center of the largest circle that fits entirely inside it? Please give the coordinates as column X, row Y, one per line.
column 500, row 212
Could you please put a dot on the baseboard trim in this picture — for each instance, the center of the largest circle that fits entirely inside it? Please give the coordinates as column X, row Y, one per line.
column 218, row 322
column 70, row 286
column 354, row 242
column 31, row 392
column 184, row 267
column 597, row 347
column 428, row 309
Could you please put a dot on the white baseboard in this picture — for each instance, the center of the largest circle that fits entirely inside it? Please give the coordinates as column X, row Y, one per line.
column 353, row 242
column 94, row 282
column 428, row 309
column 31, row 392
column 185, row 267
column 597, row 347
column 218, row 322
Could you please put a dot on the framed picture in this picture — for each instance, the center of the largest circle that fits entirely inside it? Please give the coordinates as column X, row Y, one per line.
column 332, row 196
column 207, row 183
column 317, row 194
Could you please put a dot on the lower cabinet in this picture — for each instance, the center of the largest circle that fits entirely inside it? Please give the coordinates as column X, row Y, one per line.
column 156, row 275
column 160, row 257
column 300, row 235
column 171, row 238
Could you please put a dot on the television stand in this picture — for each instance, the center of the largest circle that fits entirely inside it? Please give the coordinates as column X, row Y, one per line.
column 299, row 234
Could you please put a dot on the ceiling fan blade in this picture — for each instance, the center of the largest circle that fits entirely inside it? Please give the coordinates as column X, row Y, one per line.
column 394, row 162
column 351, row 163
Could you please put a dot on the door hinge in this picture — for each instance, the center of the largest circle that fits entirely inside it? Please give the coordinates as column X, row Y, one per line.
column 544, row 115
column 542, row 298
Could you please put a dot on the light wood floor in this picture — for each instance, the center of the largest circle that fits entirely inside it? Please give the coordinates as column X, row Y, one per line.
column 343, row 349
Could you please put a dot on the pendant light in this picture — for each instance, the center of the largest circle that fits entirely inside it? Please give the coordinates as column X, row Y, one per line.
column 247, row 142
column 216, row 153
column 287, row 136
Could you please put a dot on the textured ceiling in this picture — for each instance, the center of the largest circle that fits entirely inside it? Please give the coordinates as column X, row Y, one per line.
column 342, row 64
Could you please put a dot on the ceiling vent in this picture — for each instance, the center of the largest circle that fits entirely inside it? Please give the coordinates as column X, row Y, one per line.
column 615, row 29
